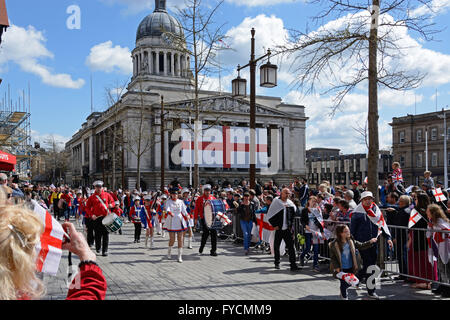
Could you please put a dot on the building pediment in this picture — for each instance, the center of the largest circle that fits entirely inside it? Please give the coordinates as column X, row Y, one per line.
column 226, row 104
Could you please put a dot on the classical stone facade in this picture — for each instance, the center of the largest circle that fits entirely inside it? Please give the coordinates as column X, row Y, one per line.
column 408, row 140
column 329, row 164
column 161, row 69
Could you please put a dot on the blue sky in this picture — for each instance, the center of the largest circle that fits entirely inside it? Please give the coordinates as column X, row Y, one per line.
column 39, row 49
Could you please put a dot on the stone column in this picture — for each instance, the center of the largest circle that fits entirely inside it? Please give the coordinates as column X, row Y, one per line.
column 172, row 64
column 157, row 62
column 165, row 63
column 149, row 61
column 178, row 66
column 287, row 146
column 91, row 154
column 166, row 149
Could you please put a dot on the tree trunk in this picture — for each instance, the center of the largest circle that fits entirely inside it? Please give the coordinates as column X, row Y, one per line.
column 373, row 110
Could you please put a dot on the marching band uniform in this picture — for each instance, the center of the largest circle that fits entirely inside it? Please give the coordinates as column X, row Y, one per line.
column 198, row 213
column 148, row 222
column 161, row 216
column 99, row 204
column 135, row 214
column 187, row 203
column 119, row 212
column 176, row 222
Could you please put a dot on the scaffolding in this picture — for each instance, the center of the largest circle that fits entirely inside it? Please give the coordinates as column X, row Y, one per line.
column 15, row 130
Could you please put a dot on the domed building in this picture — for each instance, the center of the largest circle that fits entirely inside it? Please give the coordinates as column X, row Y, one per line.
column 107, row 145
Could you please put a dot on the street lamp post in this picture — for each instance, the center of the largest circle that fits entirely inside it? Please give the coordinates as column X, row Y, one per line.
column 163, row 158
column 444, row 116
column 268, row 80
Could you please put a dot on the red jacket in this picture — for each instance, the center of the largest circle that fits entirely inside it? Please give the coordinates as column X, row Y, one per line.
column 117, row 211
column 198, row 210
column 89, row 284
column 68, row 199
column 95, row 207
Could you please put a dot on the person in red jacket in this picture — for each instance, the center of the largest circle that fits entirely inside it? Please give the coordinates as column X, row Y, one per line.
column 198, row 214
column 99, row 205
column 119, row 212
column 20, row 232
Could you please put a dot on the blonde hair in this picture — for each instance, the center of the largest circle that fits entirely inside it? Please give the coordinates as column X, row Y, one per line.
column 436, row 213
column 20, row 231
column 396, row 164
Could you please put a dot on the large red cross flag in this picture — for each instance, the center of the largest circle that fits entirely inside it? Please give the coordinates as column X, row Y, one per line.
column 49, row 248
column 438, row 195
column 414, row 218
column 224, row 147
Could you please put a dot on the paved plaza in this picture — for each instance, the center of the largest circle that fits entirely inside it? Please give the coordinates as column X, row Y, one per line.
column 134, row 272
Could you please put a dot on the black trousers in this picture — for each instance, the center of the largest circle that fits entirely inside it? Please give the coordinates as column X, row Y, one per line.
column 90, row 231
column 205, row 235
column 285, row 235
column 369, row 258
column 101, row 235
column 137, row 231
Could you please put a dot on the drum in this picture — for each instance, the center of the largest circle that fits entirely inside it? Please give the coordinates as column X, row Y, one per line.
column 112, row 223
column 210, row 211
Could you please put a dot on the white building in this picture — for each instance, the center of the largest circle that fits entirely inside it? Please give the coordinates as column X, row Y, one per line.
column 162, row 69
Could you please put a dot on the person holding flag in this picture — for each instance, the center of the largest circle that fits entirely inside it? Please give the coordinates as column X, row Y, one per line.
column 367, row 222
column 99, row 205
column 418, row 264
column 344, row 263
column 23, row 236
column 439, row 245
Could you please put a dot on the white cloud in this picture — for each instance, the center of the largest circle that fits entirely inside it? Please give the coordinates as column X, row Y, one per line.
column 26, row 47
column 104, row 57
column 435, row 8
column 45, row 139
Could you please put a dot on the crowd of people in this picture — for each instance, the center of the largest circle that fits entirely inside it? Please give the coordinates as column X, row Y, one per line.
column 347, row 221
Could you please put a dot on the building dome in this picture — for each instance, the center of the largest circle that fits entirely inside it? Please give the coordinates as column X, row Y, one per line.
column 159, row 22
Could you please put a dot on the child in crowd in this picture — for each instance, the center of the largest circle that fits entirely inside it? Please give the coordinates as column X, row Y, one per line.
column 344, row 256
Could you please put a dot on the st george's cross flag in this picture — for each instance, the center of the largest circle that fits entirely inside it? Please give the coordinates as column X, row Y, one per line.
column 439, row 195
column 48, row 250
column 414, row 218
column 350, row 278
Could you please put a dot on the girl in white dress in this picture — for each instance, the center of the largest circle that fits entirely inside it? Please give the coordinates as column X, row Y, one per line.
column 176, row 222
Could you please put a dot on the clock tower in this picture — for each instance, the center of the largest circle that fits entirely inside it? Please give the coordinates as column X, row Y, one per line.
column 161, row 59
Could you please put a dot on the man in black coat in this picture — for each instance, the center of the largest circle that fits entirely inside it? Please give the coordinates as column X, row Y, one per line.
column 281, row 216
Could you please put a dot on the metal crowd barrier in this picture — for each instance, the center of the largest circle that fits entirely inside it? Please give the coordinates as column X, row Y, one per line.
column 409, row 260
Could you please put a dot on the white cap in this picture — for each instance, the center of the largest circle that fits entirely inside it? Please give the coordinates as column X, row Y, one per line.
column 137, row 198
column 206, row 186
column 366, row 194
column 185, row 190
column 163, row 196
column 98, row 183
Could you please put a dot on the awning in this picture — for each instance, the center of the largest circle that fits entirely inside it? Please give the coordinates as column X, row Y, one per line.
column 7, row 161
column 3, row 14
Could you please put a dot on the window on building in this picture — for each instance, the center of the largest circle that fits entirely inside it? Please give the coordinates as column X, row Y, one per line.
column 434, row 134
column 401, row 137
column 448, row 133
column 419, row 136
column 434, row 159
column 402, row 161
column 419, row 160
